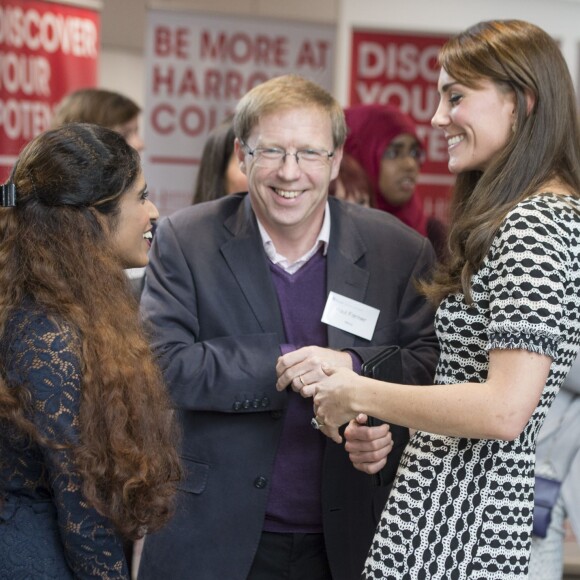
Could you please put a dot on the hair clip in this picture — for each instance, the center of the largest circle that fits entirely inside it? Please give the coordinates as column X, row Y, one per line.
column 8, row 194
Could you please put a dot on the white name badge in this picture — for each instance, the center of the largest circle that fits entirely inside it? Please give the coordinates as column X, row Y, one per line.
column 350, row 315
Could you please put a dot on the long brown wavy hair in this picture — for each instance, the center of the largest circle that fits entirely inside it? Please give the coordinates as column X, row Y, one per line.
column 55, row 251
column 520, row 57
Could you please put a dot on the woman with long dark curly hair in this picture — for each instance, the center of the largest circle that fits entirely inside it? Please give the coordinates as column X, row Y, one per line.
column 87, row 441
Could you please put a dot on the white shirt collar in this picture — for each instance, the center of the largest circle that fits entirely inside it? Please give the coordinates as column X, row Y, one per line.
column 291, row 267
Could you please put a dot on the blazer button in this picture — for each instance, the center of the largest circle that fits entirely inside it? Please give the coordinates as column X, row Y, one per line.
column 265, row 402
column 276, row 414
column 247, row 404
column 256, row 403
column 260, row 482
column 237, row 406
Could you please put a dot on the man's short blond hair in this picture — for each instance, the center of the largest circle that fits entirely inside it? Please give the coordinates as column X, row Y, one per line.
column 287, row 92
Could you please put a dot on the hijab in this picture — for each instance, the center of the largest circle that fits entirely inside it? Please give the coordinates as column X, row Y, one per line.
column 371, row 128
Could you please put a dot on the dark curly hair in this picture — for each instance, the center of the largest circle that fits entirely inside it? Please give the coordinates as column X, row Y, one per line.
column 55, row 251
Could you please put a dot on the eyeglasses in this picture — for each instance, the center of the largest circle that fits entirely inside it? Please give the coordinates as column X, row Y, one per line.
column 397, row 152
column 274, row 156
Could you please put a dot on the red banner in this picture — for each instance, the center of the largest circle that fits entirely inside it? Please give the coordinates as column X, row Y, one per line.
column 402, row 69
column 46, row 51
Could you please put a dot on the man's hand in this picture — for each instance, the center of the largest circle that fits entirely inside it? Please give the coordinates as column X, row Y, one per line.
column 367, row 447
column 303, row 367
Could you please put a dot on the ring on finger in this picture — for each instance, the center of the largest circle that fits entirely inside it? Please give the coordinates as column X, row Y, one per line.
column 316, row 423
column 302, row 381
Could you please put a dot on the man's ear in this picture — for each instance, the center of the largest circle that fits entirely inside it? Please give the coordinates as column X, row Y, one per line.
column 239, row 152
column 336, row 159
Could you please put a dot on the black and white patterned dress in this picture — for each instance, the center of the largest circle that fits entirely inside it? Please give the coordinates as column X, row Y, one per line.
column 462, row 508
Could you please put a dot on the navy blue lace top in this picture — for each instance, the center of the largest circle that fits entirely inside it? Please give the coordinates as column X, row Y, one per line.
column 47, row 529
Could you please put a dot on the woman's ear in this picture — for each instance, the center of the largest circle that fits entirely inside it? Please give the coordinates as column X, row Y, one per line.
column 530, row 100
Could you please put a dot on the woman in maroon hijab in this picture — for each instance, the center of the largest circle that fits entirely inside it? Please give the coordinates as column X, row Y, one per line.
column 384, row 141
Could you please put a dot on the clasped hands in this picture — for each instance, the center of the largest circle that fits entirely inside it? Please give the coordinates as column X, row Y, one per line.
column 326, row 375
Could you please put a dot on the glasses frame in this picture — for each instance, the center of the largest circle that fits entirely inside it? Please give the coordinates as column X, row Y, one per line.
column 283, row 154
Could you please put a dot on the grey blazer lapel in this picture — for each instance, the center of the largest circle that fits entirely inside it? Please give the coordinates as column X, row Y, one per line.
column 344, row 276
column 245, row 257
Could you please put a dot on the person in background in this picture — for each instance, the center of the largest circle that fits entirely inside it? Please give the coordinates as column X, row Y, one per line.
column 384, row 141
column 235, row 293
column 102, row 107
column 508, row 319
column 87, row 442
column 558, row 457
column 219, row 170
column 352, row 183
column 114, row 111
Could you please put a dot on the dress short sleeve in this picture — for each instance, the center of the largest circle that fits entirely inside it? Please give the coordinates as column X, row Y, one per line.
column 528, row 275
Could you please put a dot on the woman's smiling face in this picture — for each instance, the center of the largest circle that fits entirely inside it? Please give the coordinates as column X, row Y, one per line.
column 131, row 234
column 477, row 121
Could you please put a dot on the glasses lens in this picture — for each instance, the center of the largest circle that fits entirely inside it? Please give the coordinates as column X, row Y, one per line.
column 268, row 157
column 306, row 158
column 311, row 158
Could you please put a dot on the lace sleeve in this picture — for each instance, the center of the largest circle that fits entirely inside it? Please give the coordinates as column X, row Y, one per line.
column 45, row 360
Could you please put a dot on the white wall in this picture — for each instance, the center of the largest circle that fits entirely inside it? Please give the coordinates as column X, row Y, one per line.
column 560, row 18
column 123, row 71
column 123, row 23
column 123, row 31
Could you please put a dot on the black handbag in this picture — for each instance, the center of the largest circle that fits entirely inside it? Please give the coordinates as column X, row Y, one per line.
column 387, row 366
column 546, row 493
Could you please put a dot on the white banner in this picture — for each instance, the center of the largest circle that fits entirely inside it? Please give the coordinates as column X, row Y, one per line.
column 197, row 68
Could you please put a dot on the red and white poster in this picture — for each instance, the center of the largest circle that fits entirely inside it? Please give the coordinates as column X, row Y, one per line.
column 46, row 50
column 198, row 67
column 402, row 69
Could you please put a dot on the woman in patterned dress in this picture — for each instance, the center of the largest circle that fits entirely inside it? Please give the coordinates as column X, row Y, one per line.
column 86, row 442
column 508, row 317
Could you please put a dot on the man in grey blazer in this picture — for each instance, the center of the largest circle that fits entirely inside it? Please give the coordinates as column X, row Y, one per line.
column 235, row 293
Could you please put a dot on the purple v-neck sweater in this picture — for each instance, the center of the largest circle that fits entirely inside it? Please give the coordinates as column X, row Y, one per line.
column 294, row 502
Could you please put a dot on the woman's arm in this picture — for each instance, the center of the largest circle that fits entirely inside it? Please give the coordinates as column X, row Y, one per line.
column 526, row 287
column 496, row 409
